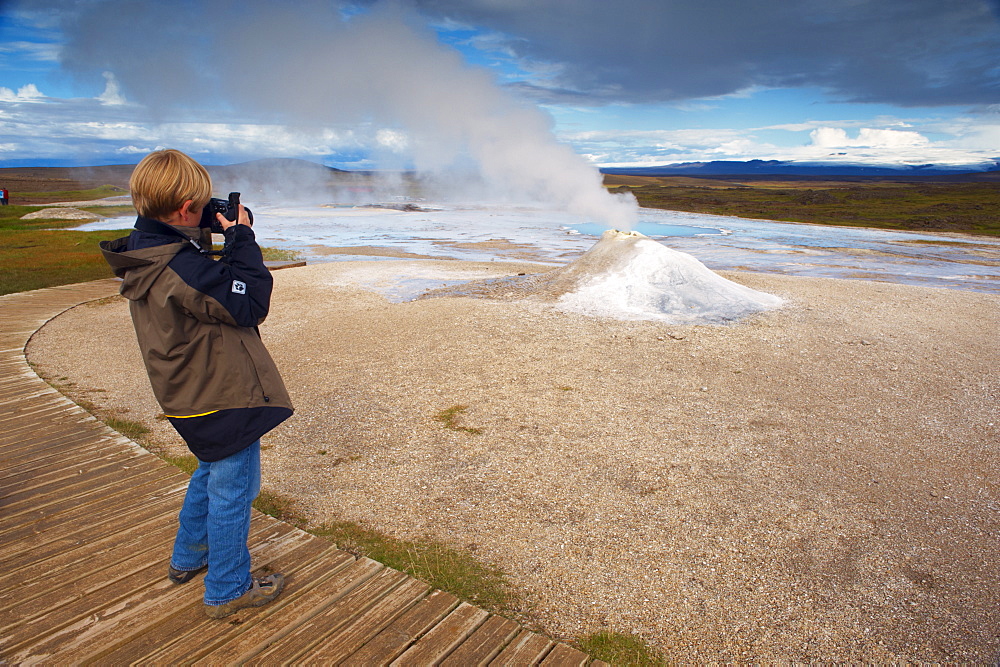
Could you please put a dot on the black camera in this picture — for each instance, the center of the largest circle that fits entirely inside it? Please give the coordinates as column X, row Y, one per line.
column 230, row 209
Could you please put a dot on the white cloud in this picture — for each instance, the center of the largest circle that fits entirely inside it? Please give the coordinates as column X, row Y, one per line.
column 836, row 137
column 28, row 93
column 970, row 144
column 45, row 52
column 112, row 91
column 393, row 140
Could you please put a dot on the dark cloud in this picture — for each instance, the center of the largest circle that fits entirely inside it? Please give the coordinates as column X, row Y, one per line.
column 903, row 52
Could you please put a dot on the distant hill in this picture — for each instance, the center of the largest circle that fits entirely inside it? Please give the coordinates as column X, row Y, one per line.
column 278, row 179
column 785, row 169
column 258, row 176
column 262, row 170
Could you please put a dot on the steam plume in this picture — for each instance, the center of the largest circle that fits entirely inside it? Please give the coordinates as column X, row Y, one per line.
column 307, row 66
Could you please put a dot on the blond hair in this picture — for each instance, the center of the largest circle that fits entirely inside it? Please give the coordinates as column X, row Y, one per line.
column 164, row 180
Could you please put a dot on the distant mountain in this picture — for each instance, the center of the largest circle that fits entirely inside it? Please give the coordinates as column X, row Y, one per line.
column 275, row 179
column 785, row 168
column 268, row 167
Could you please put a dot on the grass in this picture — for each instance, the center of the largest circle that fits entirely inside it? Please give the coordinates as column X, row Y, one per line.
column 33, row 256
column 280, row 255
column 437, row 564
column 619, row 649
column 449, row 418
column 952, row 207
column 44, row 253
column 187, row 463
column 41, row 198
column 132, row 430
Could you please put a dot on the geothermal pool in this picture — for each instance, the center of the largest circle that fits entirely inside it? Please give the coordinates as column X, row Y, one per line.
column 504, row 232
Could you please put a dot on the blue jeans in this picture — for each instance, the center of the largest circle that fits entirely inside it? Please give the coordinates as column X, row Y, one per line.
column 215, row 524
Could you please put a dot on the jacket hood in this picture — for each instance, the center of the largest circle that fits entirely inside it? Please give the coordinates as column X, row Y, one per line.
column 138, row 268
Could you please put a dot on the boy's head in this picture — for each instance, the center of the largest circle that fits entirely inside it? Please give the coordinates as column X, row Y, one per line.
column 164, row 180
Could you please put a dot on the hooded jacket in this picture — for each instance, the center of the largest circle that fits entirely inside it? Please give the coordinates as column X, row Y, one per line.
column 196, row 322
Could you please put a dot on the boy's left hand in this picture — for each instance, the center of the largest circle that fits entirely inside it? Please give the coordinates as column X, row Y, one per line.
column 242, row 219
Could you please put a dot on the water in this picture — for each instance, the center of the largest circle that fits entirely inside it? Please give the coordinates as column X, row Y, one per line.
column 650, row 228
column 487, row 233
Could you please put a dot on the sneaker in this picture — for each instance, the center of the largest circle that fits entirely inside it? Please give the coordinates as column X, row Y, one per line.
column 263, row 590
column 183, row 576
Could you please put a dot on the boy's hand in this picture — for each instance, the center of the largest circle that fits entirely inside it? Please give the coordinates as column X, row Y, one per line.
column 242, row 219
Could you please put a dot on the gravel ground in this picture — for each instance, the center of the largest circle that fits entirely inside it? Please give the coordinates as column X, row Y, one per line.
column 814, row 483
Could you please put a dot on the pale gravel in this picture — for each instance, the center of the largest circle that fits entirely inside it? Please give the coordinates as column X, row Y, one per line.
column 814, row 483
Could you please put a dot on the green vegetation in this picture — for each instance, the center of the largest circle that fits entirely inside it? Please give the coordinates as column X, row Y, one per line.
column 35, row 259
column 101, row 192
column 437, row 564
column 187, row 463
column 33, row 256
column 279, row 506
column 918, row 206
column 132, row 430
column 619, row 649
column 280, row 255
column 44, row 253
column 450, row 417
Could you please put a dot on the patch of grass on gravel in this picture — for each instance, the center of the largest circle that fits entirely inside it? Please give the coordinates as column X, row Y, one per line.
column 439, row 565
column 619, row 649
column 449, row 418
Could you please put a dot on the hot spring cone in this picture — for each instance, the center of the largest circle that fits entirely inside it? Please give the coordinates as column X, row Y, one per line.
column 627, row 275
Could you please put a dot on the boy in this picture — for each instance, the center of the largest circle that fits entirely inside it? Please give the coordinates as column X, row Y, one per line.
column 196, row 322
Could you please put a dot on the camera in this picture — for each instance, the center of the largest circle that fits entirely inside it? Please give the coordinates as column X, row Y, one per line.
column 229, row 208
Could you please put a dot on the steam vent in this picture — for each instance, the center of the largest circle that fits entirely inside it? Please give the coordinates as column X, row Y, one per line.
column 627, row 275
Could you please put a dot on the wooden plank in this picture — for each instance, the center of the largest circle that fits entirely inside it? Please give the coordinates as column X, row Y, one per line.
column 32, row 399
column 16, row 425
column 55, row 441
column 27, row 403
column 182, row 635
column 151, row 542
column 28, row 511
column 444, row 637
column 25, row 538
column 35, row 473
column 77, row 439
column 126, row 532
column 527, row 648
column 484, row 644
column 366, row 625
column 108, row 612
column 118, row 504
column 31, row 605
column 275, row 628
column 297, row 643
column 80, row 481
column 390, row 643
column 46, row 506
column 565, row 656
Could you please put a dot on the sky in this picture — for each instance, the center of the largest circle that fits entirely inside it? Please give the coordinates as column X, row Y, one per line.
column 498, row 84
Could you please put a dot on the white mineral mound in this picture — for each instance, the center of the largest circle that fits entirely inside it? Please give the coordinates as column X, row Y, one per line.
column 627, row 275
column 61, row 213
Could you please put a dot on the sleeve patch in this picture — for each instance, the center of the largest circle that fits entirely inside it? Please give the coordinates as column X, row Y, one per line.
column 239, row 287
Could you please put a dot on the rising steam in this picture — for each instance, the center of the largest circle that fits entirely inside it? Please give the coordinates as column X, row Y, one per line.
column 305, row 65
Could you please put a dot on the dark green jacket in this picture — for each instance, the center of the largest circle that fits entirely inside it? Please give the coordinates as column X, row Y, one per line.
column 196, row 322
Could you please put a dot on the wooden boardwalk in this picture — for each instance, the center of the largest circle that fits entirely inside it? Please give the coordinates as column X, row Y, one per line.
column 86, row 522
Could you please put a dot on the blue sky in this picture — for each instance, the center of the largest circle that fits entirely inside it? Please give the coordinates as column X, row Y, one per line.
column 362, row 85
